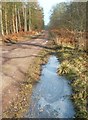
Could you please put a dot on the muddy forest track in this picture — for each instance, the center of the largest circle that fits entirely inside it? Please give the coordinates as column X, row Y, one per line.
column 16, row 59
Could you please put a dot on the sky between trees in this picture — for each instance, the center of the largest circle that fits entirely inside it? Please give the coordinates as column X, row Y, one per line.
column 47, row 6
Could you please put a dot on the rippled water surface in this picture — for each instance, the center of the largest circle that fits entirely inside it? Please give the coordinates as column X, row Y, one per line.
column 51, row 96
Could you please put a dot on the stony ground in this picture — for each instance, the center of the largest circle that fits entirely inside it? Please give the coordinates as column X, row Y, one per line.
column 16, row 59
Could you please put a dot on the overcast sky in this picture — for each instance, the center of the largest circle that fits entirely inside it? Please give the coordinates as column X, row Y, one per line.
column 47, row 5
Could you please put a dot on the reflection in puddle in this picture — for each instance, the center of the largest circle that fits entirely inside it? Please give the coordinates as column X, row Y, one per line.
column 50, row 97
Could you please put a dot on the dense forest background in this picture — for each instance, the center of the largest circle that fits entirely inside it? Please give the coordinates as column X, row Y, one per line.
column 70, row 20
column 67, row 19
column 20, row 16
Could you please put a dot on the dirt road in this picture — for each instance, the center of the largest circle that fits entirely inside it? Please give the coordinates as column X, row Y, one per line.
column 16, row 59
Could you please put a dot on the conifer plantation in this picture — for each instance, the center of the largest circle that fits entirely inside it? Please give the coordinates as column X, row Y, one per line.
column 20, row 16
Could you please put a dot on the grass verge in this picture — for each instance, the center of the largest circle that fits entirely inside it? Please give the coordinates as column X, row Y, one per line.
column 74, row 66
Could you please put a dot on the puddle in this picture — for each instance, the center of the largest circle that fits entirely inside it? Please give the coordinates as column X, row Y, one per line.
column 51, row 96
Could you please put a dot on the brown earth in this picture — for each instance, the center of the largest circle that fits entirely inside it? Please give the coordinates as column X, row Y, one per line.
column 16, row 59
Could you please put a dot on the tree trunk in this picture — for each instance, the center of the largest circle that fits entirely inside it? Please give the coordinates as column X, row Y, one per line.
column 2, row 32
column 25, row 19
column 16, row 19
column 29, row 20
column 6, row 25
column 19, row 20
column 13, row 24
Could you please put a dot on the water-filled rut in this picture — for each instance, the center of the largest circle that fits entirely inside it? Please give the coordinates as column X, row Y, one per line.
column 51, row 95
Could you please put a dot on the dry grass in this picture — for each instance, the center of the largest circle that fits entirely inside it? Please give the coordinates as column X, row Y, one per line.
column 15, row 37
column 66, row 38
